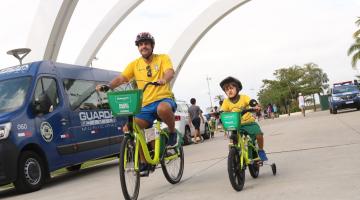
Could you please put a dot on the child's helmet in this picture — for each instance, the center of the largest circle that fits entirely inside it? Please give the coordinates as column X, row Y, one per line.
column 230, row 79
column 144, row 36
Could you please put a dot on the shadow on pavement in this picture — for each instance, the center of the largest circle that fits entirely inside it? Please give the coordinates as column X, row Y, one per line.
column 63, row 178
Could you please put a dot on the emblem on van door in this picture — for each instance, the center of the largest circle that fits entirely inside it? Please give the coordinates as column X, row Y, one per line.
column 46, row 131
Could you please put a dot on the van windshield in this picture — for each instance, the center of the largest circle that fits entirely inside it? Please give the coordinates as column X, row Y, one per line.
column 13, row 92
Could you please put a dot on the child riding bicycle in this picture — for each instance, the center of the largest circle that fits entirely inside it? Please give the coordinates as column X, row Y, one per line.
column 237, row 102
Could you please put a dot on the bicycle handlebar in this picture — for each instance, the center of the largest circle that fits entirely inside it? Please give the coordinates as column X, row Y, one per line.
column 105, row 88
column 151, row 83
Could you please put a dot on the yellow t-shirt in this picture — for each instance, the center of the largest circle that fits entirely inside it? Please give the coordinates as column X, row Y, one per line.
column 243, row 103
column 159, row 65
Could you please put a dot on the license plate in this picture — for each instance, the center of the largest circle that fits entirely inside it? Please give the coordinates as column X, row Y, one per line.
column 349, row 102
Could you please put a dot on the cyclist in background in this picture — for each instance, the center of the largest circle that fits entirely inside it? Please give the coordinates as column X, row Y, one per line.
column 237, row 102
column 157, row 101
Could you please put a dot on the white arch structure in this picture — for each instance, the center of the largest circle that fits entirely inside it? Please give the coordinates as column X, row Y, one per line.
column 179, row 52
column 198, row 28
column 48, row 29
column 116, row 15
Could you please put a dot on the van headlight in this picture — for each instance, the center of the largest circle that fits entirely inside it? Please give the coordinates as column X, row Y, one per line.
column 5, row 130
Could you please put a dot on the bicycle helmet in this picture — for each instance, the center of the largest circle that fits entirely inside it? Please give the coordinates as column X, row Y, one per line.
column 230, row 79
column 144, row 36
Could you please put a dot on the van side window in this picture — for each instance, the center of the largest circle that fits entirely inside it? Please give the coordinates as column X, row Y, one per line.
column 46, row 92
column 82, row 94
column 103, row 98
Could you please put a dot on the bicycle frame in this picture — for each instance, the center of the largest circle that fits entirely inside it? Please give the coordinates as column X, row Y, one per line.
column 140, row 140
column 244, row 156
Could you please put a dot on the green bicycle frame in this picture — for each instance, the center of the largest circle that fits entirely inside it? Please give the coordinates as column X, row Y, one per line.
column 140, row 140
column 244, row 156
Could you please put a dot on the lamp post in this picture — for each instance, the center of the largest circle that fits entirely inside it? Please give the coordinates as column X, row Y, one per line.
column 207, row 80
column 19, row 53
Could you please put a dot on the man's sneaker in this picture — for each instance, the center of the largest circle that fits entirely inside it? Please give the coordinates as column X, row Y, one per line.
column 262, row 155
column 144, row 169
column 172, row 142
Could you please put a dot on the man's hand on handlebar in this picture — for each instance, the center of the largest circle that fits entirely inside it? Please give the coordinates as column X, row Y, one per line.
column 102, row 88
column 161, row 81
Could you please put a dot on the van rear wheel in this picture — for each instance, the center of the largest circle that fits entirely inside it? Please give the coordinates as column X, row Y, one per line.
column 31, row 173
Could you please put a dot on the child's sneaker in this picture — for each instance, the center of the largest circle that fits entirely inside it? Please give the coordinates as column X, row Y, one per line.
column 172, row 142
column 262, row 155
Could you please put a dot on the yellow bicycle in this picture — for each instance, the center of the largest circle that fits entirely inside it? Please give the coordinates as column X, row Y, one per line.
column 128, row 103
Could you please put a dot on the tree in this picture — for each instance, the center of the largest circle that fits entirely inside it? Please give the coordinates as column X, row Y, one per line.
column 219, row 98
column 283, row 91
column 314, row 81
column 355, row 47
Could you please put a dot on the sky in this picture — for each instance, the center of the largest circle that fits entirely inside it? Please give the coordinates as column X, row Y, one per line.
column 250, row 43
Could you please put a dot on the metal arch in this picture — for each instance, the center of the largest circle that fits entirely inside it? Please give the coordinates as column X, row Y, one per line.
column 198, row 28
column 104, row 29
column 48, row 29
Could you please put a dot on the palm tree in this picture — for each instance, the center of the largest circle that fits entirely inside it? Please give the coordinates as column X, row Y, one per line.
column 355, row 48
column 357, row 33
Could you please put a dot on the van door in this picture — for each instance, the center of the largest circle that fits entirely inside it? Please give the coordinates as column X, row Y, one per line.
column 115, row 128
column 88, row 121
column 52, row 121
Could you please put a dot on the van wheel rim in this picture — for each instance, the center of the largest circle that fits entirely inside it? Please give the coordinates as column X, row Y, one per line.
column 32, row 171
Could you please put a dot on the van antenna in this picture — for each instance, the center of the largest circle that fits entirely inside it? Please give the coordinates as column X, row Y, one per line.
column 19, row 53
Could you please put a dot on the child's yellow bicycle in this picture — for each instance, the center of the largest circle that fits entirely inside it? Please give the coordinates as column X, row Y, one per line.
column 243, row 151
column 128, row 103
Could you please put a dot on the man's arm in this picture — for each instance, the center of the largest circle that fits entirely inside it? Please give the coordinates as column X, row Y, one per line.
column 201, row 116
column 168, row 76
column 120, row 79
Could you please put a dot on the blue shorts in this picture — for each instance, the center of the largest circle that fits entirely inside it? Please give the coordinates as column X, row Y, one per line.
column 149, row 112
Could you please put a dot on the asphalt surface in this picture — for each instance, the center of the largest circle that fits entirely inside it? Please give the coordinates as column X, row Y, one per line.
column 317, row 157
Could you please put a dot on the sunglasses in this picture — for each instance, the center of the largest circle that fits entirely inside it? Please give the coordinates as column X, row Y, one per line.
column 148, row 69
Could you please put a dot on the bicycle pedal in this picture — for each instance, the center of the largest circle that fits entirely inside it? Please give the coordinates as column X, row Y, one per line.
column 144, row 173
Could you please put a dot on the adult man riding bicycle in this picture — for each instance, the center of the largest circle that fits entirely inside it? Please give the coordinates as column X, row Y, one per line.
column 157, row 101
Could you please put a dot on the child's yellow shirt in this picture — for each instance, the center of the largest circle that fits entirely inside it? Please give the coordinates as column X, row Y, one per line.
column 242, row 103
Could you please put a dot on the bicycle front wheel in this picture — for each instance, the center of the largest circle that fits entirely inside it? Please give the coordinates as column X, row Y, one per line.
column 173, row 168
column 236, row 172
column 129, row 178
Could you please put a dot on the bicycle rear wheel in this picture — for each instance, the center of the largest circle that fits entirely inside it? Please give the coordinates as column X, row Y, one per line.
column 129, row 178
column 173, row 169
column 254, row 167
column 236, row 172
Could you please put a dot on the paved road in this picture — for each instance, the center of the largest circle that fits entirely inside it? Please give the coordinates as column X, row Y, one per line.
column 317, row 156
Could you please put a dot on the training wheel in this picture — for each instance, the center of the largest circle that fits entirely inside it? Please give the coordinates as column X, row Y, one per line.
column 273, row 168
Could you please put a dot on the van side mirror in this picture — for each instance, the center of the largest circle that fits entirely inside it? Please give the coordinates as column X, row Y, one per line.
column 253, row 103
column 42, row 104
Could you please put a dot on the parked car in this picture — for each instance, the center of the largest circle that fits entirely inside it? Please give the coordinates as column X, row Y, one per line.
column 344, row 95
column 182, row 123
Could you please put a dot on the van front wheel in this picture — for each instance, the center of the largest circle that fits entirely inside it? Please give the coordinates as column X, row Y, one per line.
column 31, row 173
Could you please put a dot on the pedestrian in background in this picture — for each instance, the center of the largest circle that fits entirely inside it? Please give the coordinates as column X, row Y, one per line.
column 275, row 110
column 270, row 111
column 301, row 100
column 195, row 119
